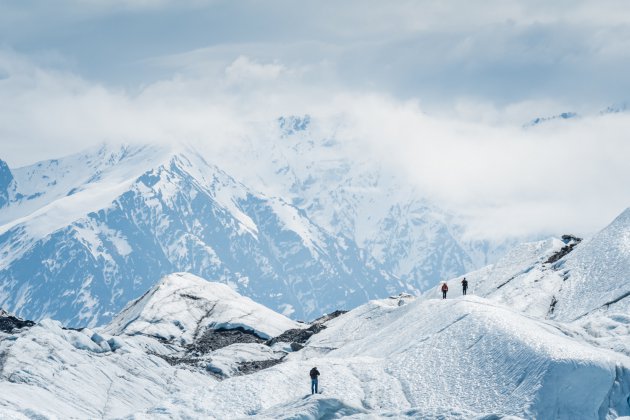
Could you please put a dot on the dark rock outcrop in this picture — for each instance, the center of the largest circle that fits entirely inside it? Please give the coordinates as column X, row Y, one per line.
column 10, row 323
column 570, row 241
column 246, row 368
column 298, row 336
column 6, row 178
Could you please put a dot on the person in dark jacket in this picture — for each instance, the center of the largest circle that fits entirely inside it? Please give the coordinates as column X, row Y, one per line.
column 314, row 374
column 464, row 286
column 444, row 290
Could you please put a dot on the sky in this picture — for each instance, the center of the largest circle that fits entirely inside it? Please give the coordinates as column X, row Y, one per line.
column 441, row 89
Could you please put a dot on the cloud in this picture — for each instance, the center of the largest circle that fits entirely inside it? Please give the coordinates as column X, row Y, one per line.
column 498, row 51
column 563, row 176
column 503, row 180
column 436, row 90
column 244, row 70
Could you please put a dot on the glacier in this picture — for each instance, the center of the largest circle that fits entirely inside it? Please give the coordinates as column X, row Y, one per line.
column 192, row 348
column 534, row 338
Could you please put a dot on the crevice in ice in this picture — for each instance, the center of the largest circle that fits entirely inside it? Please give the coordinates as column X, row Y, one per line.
column 605, row 305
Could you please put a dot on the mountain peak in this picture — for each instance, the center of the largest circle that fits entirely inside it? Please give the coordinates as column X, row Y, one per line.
column 561, row 116
column 293, row 124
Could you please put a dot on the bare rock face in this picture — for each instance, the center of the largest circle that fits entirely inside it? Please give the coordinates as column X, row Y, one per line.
column 6, row 179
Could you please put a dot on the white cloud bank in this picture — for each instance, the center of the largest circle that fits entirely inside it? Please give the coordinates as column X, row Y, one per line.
column 564, row 176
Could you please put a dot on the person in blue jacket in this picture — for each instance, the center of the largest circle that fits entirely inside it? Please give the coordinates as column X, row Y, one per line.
column 314, row 374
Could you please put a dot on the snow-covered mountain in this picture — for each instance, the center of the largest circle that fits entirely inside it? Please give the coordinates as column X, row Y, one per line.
column 616, row 108
column 544, row 333
column 83, row 235
column 297, row 224
column 348, row 192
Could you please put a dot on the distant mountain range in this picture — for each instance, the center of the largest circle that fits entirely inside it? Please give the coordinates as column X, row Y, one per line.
column 568, row 115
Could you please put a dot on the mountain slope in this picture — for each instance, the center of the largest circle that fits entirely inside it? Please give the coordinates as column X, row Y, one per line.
column 564, row 280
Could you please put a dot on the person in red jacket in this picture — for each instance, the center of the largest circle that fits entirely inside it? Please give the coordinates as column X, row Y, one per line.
column 444, row 290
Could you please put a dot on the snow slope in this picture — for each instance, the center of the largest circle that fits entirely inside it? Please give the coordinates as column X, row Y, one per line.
column 469, row 354
column 591, row 279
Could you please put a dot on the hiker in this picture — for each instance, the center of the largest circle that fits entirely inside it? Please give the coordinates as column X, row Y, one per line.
column 464, row 286
column 444, row 290
column 314, row 374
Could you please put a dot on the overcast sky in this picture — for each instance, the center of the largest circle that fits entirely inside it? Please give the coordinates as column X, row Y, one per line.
column 442, row 87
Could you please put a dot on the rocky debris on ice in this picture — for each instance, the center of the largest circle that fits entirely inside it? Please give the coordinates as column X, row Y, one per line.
column 298, row 336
